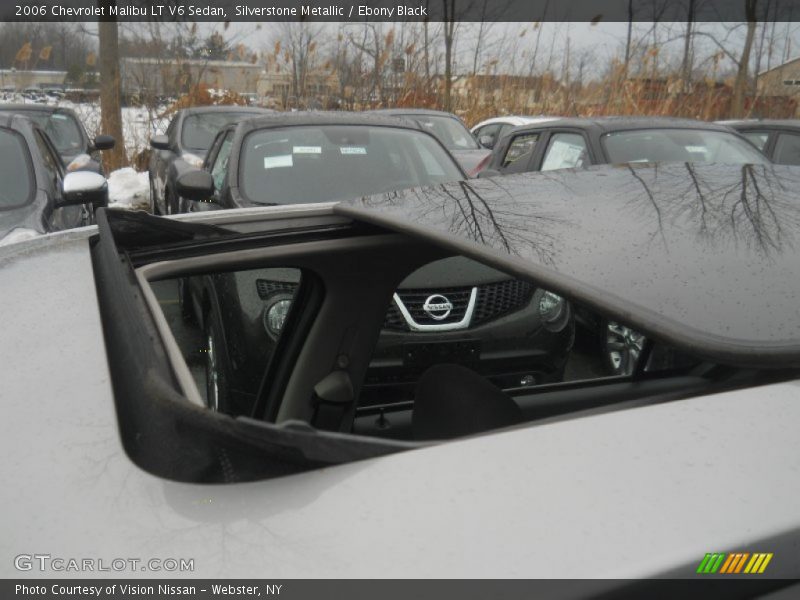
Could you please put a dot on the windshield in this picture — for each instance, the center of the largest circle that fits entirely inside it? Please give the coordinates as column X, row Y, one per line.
column 450, row 131
column 680, row 145
column 62, row 129
column 15, row 173
column 201, row 129
column 332, row 162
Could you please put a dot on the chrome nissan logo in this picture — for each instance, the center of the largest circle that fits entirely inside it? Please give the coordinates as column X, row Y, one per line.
column 437, row 307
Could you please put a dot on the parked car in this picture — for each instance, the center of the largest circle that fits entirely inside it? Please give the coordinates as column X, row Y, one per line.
column 450, row 130
column 183, row 146
column 489, row 131
column 67, row 133
column 575, row 143
column 36, row 194
column 779, row 139
column 610, row 480
column 578, row 143
column 450, row 310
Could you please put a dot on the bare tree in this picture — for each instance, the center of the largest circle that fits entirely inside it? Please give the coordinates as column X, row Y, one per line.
column 110, row 88
column 449, row 39
column 686, row 64
column 740, row 83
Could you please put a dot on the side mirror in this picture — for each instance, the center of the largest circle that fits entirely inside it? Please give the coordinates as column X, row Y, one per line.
column 104, row 142
column 84, row 187
column 159, row 142
column 487, row 141
column 195, row 185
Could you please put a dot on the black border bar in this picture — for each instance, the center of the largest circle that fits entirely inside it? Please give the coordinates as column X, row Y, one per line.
column 258, row 11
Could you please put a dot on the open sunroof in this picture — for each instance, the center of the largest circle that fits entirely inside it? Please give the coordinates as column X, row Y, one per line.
column 705, row 257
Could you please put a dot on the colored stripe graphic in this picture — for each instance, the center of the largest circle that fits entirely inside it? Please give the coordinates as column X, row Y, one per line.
column 710, row 563
column 738, row 563
column 734, row 563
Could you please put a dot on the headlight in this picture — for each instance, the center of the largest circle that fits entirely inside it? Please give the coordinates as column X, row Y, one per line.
column 551, row 307
column 192, row 159
column 275, row 315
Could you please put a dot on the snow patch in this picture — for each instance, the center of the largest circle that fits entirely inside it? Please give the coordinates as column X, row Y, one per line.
column 20, row 234
column 128, row 189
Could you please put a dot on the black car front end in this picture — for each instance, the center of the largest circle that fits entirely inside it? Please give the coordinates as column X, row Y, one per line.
column 507, row 330
column 504, row 328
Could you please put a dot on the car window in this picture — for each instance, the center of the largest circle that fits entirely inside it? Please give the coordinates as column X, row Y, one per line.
column 520, row 150
column 62, row 129
column 227, row 326
column 170, row 132
column 757, row 138
column 565, row 151
column 504, row 129
column 680, row 145
column 51, row 164
column 16, row 176
column 332, row 162
column 450, row 131
column 787, row 149
column 199, row 130
column 220, row 166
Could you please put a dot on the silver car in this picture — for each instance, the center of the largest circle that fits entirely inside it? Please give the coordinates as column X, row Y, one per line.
column 110, row 451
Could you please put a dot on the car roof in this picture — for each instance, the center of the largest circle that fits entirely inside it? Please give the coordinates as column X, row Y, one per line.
column 516, row 120
column 414, row 111
column 625, row 123
column 14, row 120
column 756, row 123
column 628, row 477
column 632, row 242
column 300, row 118
column 227, row 108
column 22, row 107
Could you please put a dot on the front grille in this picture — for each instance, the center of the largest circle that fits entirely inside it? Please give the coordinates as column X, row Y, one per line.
column 414, row 300
column 498, row 299
column 394, row 319
column 267, row 288
column 493, row 301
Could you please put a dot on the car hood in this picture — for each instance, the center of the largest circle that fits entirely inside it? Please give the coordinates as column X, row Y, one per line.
column 450, row 272
column 702, row 257
column 624, row 494
column 469, row 159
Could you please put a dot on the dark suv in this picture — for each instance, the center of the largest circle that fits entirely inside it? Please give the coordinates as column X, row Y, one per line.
column 779, row 139
column 183, row 146
column 450, row 310
column 36, row 194
column 577, row 143
column 66, row 132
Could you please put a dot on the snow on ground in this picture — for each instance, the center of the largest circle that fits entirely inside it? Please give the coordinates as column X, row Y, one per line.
column 128, row 189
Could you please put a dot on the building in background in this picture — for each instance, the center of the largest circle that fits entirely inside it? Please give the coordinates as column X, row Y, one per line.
column 15, row 80
column 152, row 77
column 783, row 80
